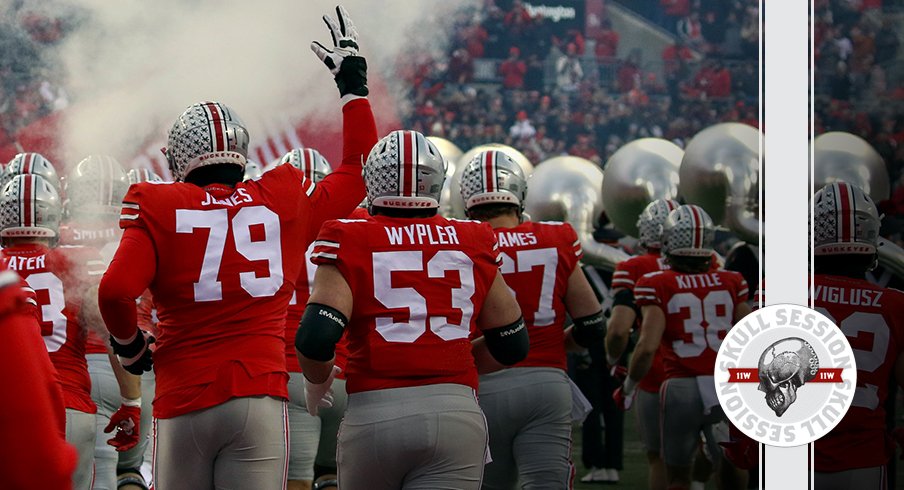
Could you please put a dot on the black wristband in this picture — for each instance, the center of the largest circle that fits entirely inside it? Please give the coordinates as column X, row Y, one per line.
column 508, row 344
column 320, row 328
column 625, row 297
column 131, row 349
column 589, row 330
column 352, row 76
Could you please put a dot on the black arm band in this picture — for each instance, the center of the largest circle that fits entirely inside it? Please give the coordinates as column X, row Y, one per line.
column 625, row 297
column 589, row 330
column 352, row 76
column 508, row 344
column 320, row 328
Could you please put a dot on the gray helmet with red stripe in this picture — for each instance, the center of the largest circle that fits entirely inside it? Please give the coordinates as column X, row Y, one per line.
column 31, row 163
column 29, row 208
column 688, row 232
column 404, row 170
column 206, row 133
column 311, row 163
column 139, row 175
column 650, row 221
column 253, row 170
column 95, row 188
column 492, row 177
column 845, row 220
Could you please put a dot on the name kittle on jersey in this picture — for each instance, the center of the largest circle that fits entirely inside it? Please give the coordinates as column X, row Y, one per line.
column 26, row 263
column 692, row 281
column 420, row 234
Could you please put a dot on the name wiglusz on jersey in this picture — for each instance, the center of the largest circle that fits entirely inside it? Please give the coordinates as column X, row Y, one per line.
column 421, row 234
column 845, row 296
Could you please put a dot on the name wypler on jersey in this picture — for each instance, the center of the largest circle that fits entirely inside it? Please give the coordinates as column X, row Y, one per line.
column 785, row 375
column 421, row 234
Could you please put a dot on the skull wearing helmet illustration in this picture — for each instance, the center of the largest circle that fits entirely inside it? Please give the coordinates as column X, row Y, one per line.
column 784, row 367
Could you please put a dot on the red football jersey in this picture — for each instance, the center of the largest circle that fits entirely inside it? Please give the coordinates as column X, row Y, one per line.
column 537, row 260
column 227, row 261
column 872, row 318
column 699, row 310
column 418, row 286
column 626, row 275
column 60, row 278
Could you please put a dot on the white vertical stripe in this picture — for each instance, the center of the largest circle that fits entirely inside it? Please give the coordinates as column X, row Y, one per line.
column 787, row 190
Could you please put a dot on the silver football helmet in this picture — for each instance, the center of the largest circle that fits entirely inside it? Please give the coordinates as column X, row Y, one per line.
column 95, row 188
column 311, row 163
column 139, row 175
column 688, row 232
column 253, row 170
column 206, row 133
column 30, row 163
column 651, row 220
column 29, row 207
column 404, row 170
column 492, row 177
column 845, row 221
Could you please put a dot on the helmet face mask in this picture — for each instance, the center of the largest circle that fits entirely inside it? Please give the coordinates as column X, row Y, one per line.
column 404, row 171
column 492, row 177
column 206, row 133
column 845, row 221
column 311, row 163
column 688, row 232
column 29, row 208
column 651, row 220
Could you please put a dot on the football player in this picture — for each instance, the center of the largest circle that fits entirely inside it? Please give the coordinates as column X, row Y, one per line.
column 62, row 280
column 686, row 310
column 312, row 445
column 33, row 448
column 94, row 190
column 626, row 314
column 30, row 164
column 528, row 407
column 846, row 230
column 221, row 258
column 410, row 287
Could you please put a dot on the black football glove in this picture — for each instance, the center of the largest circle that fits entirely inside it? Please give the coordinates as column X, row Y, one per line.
column 136, row 355
column 348, row 69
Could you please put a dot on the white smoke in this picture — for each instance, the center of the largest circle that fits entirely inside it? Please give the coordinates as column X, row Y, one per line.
column 132, row 67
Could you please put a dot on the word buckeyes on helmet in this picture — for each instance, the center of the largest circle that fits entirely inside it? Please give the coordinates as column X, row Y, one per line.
column 206, row 133
column 493, row 177
column 845, row 221
column 29, row 208
column 404, row 170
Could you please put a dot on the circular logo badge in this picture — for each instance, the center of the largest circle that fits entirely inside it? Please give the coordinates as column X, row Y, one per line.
column 785, row 375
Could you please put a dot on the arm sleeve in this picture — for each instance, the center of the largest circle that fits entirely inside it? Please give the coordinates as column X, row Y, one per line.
column 339, row 193
column 130, row 273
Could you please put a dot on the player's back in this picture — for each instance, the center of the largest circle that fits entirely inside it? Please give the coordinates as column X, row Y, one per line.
column 59, row 277
column 418, row 286
column 872, row 318
column 227, row 260
column 537, row 260
column 699, row 310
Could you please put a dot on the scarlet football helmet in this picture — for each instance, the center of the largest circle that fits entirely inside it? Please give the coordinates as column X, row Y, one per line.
column 845, row 220
column 688, row 232
column 650, row 221
column 311, row 163
column 493, row 177
column 206, row 133
column 404, row 170
column 29, row 207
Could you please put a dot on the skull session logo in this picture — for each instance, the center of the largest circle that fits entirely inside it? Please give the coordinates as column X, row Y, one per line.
column 785, row 375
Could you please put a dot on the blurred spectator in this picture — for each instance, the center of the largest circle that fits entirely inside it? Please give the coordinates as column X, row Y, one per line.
column 690, row 30
column 522, row 129
column 606, row 41
column 582, row 148
column 513, row 70
column 568, row 70
column 461, row 66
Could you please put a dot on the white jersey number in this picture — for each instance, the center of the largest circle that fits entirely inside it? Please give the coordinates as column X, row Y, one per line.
column 866, row 395
column 208, row 287
column 526, row 260
column 52, row 312
column 705, row 321
column 385, row 263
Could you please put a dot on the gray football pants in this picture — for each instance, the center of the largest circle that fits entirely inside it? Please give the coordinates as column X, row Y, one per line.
column 528, row 413
column 873, row 478
column 105, row 393
column 80, row 433
column 682, row 421
column 313, row 439
column 241, row 444
column 429, row 437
